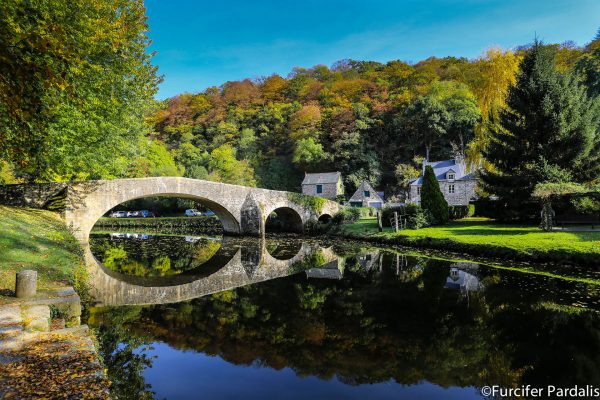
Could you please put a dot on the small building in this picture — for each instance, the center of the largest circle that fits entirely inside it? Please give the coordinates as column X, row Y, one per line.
column 366, row 196
column 456, row 183
column 326, row 184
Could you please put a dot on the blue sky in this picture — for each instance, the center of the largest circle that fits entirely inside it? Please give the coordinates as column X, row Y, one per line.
column 201, row 43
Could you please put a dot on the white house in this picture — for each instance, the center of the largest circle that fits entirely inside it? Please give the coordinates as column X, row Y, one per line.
column 456, row 183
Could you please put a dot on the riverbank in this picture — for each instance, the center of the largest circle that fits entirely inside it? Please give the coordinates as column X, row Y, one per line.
column 37, row 240
column 485, row 238
column 44, row 351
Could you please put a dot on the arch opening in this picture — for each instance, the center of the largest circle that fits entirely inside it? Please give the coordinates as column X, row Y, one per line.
column 284, row 219
column 208, row 214
column 188, row 266
column 283, row 250
column 325, row 219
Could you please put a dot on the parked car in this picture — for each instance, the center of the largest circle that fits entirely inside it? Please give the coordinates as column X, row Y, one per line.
column 146, row 214
column 118, row 214
column 133, row 214
column 192, row 212
column 209, row 213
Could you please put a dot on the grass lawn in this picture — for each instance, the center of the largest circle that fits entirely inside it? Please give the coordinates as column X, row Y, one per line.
column 479, row 234
column 38, row 240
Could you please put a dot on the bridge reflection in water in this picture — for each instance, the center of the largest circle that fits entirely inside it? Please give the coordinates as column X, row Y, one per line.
column 236, row 263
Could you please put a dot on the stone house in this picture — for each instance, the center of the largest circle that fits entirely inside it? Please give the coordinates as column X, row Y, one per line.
column 366, row 196
column 456, row 183
column 326, row 184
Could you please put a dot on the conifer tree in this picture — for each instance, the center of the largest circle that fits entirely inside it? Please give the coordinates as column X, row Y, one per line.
column 547, row 133
column 432, row 198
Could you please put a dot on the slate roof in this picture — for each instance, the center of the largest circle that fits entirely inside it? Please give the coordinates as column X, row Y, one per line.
column 324, row 177
column 440, row 168
column 359, row 194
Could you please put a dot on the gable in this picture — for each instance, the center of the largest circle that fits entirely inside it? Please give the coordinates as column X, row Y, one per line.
column 359, row 195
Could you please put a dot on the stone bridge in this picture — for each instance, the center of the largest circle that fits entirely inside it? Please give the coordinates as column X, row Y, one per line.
column 231, row 267
column 242, row 210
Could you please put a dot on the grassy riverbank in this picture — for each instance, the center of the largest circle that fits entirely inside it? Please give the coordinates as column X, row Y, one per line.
column 483, row 237
column 38, row 240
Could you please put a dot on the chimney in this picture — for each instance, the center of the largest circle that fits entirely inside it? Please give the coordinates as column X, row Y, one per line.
column 459, row 160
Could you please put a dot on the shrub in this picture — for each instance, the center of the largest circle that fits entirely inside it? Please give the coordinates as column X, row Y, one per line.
column 416, row 217
column 346, row 215
column 313, row 226
column 458, row 212
column 432, row 198
column 420, row 219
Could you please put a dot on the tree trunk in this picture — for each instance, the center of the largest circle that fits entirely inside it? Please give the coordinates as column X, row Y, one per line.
column 547, row 216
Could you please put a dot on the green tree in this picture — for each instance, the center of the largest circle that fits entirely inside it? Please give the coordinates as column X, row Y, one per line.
column 426, row 121
column 589, row 68
column 463, row 113
column 547, row 133
column 76, row 83
column 157, row 161
column 404, row 174
column 224, row 167
column 432, row 198
column 308, row 153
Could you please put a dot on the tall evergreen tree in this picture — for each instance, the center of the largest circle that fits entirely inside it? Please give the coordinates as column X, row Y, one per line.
column 548, row 132
column 432, row 198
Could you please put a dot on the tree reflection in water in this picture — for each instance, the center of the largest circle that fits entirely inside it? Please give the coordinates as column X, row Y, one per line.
column 391, row 317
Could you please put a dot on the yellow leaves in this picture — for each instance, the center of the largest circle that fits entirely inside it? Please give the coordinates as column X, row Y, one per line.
column 54, row 367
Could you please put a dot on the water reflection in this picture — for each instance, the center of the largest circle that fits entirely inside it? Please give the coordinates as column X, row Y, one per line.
column 345, row 323
column 171, row 268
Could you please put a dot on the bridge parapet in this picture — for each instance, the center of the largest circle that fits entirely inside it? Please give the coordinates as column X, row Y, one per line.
column 242, row 210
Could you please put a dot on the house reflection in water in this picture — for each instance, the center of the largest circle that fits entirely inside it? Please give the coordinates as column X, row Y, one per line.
column 332, row 270
column 463, row 277
column 369, row 260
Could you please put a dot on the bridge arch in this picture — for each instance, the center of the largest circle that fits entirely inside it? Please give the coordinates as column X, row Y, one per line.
column 227, row 219
column 290, row 220
column 325, row 218
column 88, row 201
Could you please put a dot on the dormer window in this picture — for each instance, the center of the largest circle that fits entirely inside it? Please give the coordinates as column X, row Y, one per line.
column 450, row 176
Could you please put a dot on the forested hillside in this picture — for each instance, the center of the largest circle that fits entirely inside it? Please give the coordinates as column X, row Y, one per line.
column 77, row 104
column 366, row 119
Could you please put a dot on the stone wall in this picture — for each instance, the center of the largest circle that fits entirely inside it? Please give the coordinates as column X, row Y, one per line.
column 329, row 190
column 41, row 195
column 464, row 192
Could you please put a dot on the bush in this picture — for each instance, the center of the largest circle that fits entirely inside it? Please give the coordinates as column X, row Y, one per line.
column 432, row 198
column 495, row 209
column 346, row 215
column 416, row 217
column 458, row 212
column 420, row 219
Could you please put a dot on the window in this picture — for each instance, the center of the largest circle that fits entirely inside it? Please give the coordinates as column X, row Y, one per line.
column 319, row 188
column 451, row 176
column 367, row 193
column 450, row 188
column 419, row 190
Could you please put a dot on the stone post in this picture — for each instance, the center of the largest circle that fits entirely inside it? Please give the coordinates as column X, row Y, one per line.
column 26, row 285
column 379, row 224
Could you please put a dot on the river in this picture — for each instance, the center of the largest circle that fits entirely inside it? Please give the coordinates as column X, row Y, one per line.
column 322, row 319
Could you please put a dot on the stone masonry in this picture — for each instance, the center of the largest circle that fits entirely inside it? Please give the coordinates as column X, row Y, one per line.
column 242, row 210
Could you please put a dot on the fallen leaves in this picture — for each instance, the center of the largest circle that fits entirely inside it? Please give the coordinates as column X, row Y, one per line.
column 53, row 367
